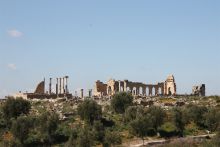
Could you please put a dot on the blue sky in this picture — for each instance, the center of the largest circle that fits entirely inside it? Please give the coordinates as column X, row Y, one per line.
column 139, row 40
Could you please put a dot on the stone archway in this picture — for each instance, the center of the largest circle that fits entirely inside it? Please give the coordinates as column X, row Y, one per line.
column 147, row 91
column 153, row 91
column 134, row 91
column 141, row 91
column 159, row 91
column 169, row 91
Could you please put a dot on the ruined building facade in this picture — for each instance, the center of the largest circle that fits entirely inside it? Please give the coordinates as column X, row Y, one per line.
column 198, row 90
column 61, row 90
column 136, row 88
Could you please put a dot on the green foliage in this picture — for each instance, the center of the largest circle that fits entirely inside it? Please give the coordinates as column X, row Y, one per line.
column 15, row 107
column 212, row 119
column 21, row 128
column 85, row 137
column 196, row 114
column 191, row 129
column 121, row 101
column 89, row 111
column 157, row 116
column 98, row 131
column 141, row 126
column 180, row 120
column 167, row 130
column 48, row 126
column 132, row 112
column 112, row 138
column 72, row 142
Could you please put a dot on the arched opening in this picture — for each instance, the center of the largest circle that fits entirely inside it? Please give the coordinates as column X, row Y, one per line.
column 122, row 89
column 160, row 91
column 141, row 91
column 153, row 91
column 134, row 91
column 147, row 91
column 128, row 89
column 169, row 91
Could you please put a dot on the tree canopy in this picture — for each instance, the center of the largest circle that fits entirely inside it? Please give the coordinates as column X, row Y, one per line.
column 121, row 101
column 89, row 111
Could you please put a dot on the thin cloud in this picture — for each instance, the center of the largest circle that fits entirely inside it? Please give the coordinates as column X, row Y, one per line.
column 15, row 33
column 12, row 66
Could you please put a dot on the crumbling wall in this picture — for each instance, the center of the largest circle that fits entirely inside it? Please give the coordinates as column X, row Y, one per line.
column 100, row 89
column 40, row 88
column 198, row 90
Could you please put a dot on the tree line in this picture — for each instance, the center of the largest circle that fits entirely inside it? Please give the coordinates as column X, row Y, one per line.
column 98, row 126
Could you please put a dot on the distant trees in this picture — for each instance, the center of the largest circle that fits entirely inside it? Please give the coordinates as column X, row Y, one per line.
column 85, row 137
column 157, row 116
column 196, row 114
column 167, row 130
column 132, row 112
column 112, row 138
column 21, row 128
column 180, row 120
column 15, row 107
column 212, row 119
column 121, row 101
column 89, row 111
column 48, row 126
column 140, row 127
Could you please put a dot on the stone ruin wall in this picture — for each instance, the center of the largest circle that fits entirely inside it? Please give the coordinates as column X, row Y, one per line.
column 136, row 88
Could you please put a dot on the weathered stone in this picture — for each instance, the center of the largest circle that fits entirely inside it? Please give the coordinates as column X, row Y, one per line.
column 199, row 90
column 136, row 88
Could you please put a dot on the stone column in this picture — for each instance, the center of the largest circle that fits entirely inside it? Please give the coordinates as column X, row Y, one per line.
column 90, row 93
column 50, row 84
column 119, row 86
column 81, row 94
column 60, row 91
column 125, row 86
column 57, row 87
column 64, row 86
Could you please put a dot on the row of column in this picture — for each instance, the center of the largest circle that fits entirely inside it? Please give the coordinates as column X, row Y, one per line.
column 82, row 93
column 61, row 85
column 137, row 92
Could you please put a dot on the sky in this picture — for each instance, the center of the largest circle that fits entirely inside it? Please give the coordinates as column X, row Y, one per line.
column 89, row 40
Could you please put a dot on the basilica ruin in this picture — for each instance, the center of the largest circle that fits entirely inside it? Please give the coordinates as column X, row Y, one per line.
column 135, row 88
column 61, row 90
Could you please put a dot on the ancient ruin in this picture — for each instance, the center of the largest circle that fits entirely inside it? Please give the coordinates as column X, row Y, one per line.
column 136, row 88
column 198, row 90
column 41, row 93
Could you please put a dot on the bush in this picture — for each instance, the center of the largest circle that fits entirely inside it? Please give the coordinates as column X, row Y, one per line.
column 89, row 111
column 15, row 107
column 112, row 138
column 121, row 101
column 168, row 130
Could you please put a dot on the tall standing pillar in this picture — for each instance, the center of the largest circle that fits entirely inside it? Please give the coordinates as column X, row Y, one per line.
column 81, row 94
column 50, row 84
column 57, row 86
column 60, row 91
column 67, row 84
column 64, row 86
column 119, row 86
column 90, row 93
column 125, row 86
